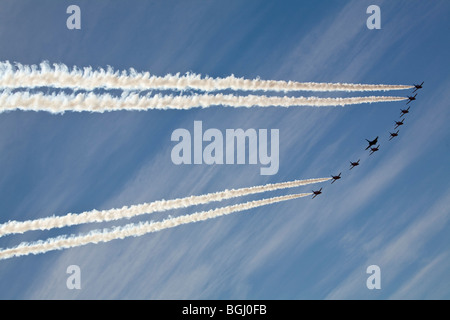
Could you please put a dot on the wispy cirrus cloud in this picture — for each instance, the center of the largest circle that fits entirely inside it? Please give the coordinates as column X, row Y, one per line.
column 395, row 256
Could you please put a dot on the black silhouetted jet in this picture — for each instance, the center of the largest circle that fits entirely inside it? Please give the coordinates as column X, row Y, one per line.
column 372, row 143
column 418, row 86
column 398, row 124
column 316, row 193
column 412, row 98
column 393, row 135
column 404, row 111
column 336, row 177
column 354, row 164
column 374, row 149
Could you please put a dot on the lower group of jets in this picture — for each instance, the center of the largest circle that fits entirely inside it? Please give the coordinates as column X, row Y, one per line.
column 373, row 143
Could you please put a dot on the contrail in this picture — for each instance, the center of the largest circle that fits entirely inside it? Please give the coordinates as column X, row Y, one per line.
column 133, row 102
column 134, row 230
column 60, row 76
column 127, row 212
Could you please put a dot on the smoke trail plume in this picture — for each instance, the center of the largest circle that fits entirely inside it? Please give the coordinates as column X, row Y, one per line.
column 127, row 212
column 134, row 230
column 60, row 76
column 133, row 102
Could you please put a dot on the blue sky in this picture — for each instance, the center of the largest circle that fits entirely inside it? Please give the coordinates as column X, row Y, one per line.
column 392, row 211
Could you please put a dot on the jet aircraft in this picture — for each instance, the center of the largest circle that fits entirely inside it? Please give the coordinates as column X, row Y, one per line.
column 336, row 177
column 372, row 143
column 316, row 193
column 404, row 111
column 354, row 164
column 374, row 149
column 393, row 135
column 412, row 98
column 398, row 124
column 418, row 86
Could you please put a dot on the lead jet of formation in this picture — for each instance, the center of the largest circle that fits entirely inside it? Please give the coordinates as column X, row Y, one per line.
column 404, row 112
column 418, row 86
column 316, row 193
column 372, row 143
column 374, row 149
column 354, row 164
column 393, row 135
column 336, row 177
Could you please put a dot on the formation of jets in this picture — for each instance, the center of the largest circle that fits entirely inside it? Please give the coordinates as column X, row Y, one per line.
column 404, row 112
column 373, row 143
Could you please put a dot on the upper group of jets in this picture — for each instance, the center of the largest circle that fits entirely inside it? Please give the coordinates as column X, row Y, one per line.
column 373, row 143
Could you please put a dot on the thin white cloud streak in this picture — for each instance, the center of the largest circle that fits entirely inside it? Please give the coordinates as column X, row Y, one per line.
column 133, row 102
column 60, row 76
column 425, row 284
column 135, row 230
column 407, row 246
column 127, row 212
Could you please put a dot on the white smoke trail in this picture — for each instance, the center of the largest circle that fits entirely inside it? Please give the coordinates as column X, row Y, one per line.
column 134, row 230
column 133, row 102
column 59, row 76
column 127, row 212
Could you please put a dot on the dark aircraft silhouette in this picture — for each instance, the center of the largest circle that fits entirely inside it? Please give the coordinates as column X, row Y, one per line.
column 404, row 111
column 418, row 86
column 372, row 143
column 336, row 177
column 398, row 124
column 393, row 135
column 354, row 164
column 316, row 193
column 411, row 98
column 374, row 149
